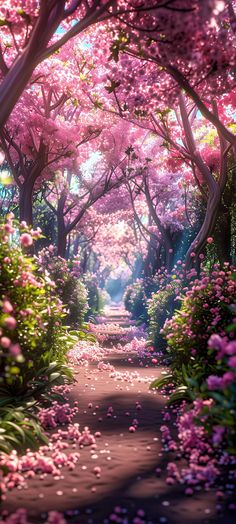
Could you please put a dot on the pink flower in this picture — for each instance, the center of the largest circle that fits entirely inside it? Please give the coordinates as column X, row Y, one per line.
column 5, row 342
column 231, row 348
column 10, row 323
column 7, row 307
column 15, row 350
column 9, row 229
column 210, row 240
column 2, row 157
column 26, row 240
column 232, row 362
column 228, row 378
column 55, row 518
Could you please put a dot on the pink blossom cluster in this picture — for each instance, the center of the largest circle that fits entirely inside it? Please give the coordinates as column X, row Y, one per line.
column 7, row 228
column 85, row 352
column 226, row 349
column 105, row 366
column 49, row 459
column 73, row 433
column 28, row 235
column 194, row 445
column 57, row 414
column 126, row 376
column 10, row 324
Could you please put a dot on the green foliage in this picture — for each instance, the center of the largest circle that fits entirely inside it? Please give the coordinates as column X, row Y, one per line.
column 159, row 383
column 137, row 297
column 95, row 301
column 135, row 300
column 160, row 307
column 19, row 428
column 119, row 44
column 44, row 217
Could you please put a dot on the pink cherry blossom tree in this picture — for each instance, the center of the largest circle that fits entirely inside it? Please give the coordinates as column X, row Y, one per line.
column 32, row 30
column 52, row 128
column 75, row 192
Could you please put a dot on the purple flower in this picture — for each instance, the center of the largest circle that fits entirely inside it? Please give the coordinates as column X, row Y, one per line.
column 216, row 342
column 214, row 382
column 218, row 434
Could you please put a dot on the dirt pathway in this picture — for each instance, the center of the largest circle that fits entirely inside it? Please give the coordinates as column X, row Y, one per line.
column 122, row 477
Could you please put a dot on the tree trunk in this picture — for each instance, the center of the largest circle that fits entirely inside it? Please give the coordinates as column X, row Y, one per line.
column 61, row 237
column 76, row 246
column 206, row 229
column 62, row 230
column 26, row 202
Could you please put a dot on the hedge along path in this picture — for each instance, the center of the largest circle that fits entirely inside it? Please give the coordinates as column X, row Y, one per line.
column 120, row 474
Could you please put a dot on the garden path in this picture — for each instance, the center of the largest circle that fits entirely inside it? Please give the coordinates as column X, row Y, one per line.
column 132, row 464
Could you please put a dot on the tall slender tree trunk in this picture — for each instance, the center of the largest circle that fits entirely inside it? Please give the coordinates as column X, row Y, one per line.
column 61, row 237
column 61, row 226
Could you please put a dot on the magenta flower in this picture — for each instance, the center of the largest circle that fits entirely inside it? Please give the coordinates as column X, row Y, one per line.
column 214, row 382
column 228, row 378
column 15, row 350
column 216, row 342
column 232, row 362
column 231, row 348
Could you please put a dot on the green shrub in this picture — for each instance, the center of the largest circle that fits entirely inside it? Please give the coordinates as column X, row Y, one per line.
column 160, row 307
column 95, row 302
column 69, row 287
column 19, row 428
column 135, row 300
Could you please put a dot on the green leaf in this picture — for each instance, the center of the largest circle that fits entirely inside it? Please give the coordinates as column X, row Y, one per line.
column 158, row 383
column 54, row 376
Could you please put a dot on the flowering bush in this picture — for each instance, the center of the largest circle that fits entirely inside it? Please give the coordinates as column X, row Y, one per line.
column 33, row 341
column 220, row 387
column 30, row 315
column 207, row 427
column 205, row 310
column 68, row 285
